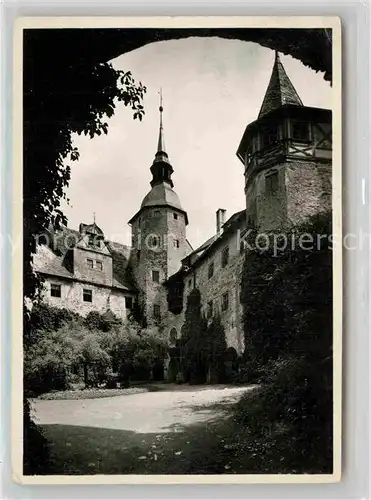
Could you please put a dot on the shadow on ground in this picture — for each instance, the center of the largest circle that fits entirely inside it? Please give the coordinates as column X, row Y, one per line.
column 203, row 443
column 90, row 450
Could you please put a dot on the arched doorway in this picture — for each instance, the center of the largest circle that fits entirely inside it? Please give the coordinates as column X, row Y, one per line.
column 173, row 336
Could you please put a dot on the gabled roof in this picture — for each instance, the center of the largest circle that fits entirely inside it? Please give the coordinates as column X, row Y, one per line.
column 280, row 90
column 55, row 258
column 238, row 218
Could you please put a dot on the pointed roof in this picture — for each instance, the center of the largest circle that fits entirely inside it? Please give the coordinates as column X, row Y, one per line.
column 161, row 139
column 161, row 154
column 161, row 167
column 280, row 90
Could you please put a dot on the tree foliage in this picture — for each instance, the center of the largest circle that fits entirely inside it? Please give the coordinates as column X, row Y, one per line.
column 287, row 304
column 79, row 98
column 63, row 94
column 68, row 347
column 202, row 344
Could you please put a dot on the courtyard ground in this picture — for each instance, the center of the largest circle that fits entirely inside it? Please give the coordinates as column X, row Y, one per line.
column 180, row 430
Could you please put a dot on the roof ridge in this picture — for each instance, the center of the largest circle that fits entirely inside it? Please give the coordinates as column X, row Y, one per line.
column 280, row 90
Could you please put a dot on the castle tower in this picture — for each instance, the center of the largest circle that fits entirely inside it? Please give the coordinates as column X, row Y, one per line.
column 287, row 155
column 158, row 235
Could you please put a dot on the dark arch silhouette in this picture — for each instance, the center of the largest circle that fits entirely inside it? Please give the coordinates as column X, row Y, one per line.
column 88, row 46
column 230, row 354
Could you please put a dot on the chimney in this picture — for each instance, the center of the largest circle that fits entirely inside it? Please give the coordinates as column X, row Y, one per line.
column 82, row 227
column 220, row 220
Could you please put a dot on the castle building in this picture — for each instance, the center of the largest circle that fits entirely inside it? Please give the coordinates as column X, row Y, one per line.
column 286, row 153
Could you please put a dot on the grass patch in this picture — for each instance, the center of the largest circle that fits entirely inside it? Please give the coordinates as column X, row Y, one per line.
column 91, row 393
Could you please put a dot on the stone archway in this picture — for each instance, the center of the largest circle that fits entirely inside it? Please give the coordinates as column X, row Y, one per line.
column 311, row 46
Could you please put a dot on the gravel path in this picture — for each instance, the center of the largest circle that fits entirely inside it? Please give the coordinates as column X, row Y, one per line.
column 142, row 413
column 172, row 431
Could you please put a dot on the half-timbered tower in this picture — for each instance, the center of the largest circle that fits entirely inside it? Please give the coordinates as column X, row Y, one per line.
column 287, row 155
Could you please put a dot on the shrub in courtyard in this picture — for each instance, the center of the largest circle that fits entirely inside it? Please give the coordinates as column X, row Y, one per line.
column 214, row 348
column 192, row 342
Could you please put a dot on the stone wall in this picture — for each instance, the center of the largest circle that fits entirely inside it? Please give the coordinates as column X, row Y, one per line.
column 308, row 188
column 224, row 280
column 82, row 270
column 165, row 257
column 103, row 298
column 267, row 209
column 303, row 189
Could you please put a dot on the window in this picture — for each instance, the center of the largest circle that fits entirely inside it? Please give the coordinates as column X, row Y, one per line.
column 129, row 302
column 243, row 245
column 210, row 309
column 87, row 295
column 190, row 283
column 94, row 241
column 156, row 311
column 271, row 182
column 156, row 213
column 55, row 290
column 176, row 244
column 269, row 135
column 90, row 263
column 210, row 272
column 156, row 276
column 99, row 264
column 225, row 256
column 153, row 241
column 225, row 301
column 300, row 131
column 175, row 216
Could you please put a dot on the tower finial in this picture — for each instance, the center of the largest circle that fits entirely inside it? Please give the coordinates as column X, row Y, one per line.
column 161, row 141
column 94, row 217
column 161, row 108
column 161, row 168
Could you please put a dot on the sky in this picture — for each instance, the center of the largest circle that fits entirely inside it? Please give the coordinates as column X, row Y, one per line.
column 212, row 89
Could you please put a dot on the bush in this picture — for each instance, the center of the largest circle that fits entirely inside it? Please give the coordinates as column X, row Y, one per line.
column 89, row 349
column 202, row 346
column 191, row 344
column 36, row 453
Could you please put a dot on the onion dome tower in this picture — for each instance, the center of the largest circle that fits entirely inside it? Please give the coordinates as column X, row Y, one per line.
column 158, row 234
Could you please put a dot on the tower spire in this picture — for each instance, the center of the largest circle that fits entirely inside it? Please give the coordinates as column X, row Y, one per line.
column 161, row 168
column 161, row 140
column 280, row 89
